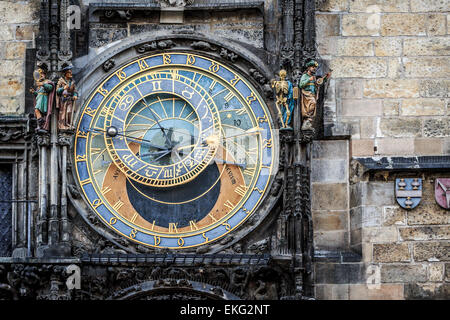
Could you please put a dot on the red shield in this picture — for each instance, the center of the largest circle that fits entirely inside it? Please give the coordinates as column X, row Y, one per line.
column 442, row 192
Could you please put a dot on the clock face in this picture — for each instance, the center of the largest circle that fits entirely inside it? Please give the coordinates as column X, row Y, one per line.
column 174, row 150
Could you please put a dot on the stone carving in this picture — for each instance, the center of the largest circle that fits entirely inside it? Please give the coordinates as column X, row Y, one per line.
column 309, row 86
column 123, row 14
column 44, row 92
column 9, row 134
column 259, row 247
column 175, row 3
column 284, row 99
column 202, row 45
column 163, row 44
column 224, row 53
column 66, row 99
column 109, row 64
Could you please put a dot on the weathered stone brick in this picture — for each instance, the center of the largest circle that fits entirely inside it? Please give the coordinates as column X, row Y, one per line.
column 370, row 67
column 393, row 216
column 330, row 196
column 362, row 147
column 331, row 291
column 385, row 88
column 395, row 68
column 381, row 5
column 403, row 24
column 391, row 252
column 436, row 272
column 436, row 128
column 436, row 24
column 379, row 234
column 15, row 50
column 327, row 46
column 404, row 127
column 352, row 89
column 329, row 240
column 11, row 105
column 331, row 5
column 11, row 68
column 26, row 31
column 6, row 33
column 447, row 272
column 11, row 86
column 395, row 146
column 404, row 273
column 355, row 47
column 327, row 25
column 391, row 107
column 430, row 5
column 362, row 107
column 432, row 251
column 425, row 233
column 423, row 107
column 434, row 291
column 428, row 146
column 361, row 24
column 329, row 149
column 344, row 273
column 368, row 127
column 388, row 47
column 446, row 146
column 434, row 88
column 18, row 12
column 329, row 170
column 329, row 220
column 384, row 292
column 432, row 67
column 435, row 46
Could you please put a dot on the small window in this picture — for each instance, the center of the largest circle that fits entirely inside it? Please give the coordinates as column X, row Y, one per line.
column 5, row 210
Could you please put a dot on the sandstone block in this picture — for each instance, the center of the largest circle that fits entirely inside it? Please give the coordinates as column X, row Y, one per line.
column 329, row 149
column 423, row 107
column 395, row 146
column 384, row 292
column 25, row 31
column 15, row 50
column 362, row 107
column 391, row 107
column 327, row 170
column 327, row 25
column 6, row 33
column 330, row 220
column 355, row 47
column 446, row 146
column 404, row 273
column 365, row 216
column 361, row 24
column 403, row 24
column 384, row 88
column 434, row 88
column 428, row 146
column 370, row 67
column 327, row 46
column 330, row 196
column 18, row 12
column 349, row 89
column 362, row 147
column 427, row 291
column 11, row 87
column 391, row 252
column 331, row 5
column 379, row 6
column 395, row 68
column 436, row 24
column 393, row 216
column 436, row 272
column 388, row 47
column 430, row 5
column 431, row 67
column 436, row 128
column 432, row 251
column 379, row 234
column 11, row 68
column 339, row 273
column 399, row 128
column 435, row 46
column 11, row 105
column 425, row 233
column 447, row 272
column 330, row 240
column 368, row 127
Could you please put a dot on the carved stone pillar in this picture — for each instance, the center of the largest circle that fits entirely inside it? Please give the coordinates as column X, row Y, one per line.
column 43, row 141
column 64, row 142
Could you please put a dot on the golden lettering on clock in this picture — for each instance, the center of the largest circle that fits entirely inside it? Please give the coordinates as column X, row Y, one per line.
column 90, row 111
column 229, row 96
column 156, row 85
column 166, row 59
column 180, row 242
column 130, row 160
column 168, row 173
column 173, row 227
column 121, row 75
column 96, row 203
column 105, row 190
column 193, row 225
column 80, row 158
column 241, row 190
column 113, row 221
column 211, row 86
column 143, row 64
column 229, row 204
column 241, row 111
column 190, row 60
column 249, row 171
column 205, row 237
column 119, row 204
column 234, row 81
column 267, row 143
column 102, row 91
column 257, row 189
column 133, row 233
column 250, row 98
column 227, row 226
column 212, row 217
column 157, row 240
column 186, row 93
column 85, row 181
column 134, row 217
column 214, row 67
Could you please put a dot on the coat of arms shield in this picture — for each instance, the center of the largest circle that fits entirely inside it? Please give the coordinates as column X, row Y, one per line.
column 442, row 192
column 408, row 192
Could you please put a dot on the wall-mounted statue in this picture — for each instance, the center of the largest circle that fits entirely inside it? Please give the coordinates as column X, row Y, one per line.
column 67, row 96
column 45, row 93
column 285, row 99
column 309, row 86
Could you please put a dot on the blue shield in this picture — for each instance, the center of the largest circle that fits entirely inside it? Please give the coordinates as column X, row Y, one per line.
column 408, row 192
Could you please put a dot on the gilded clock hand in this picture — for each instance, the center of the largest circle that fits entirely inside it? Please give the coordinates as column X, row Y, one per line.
column 134, row 139
column 168, row 142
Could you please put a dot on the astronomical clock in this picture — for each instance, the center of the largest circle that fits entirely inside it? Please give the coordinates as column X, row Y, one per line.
column 174, row 150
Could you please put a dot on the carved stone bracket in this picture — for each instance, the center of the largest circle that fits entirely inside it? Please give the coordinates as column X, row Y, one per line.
column 43, row 139
column 109, row 64
column 154, row 45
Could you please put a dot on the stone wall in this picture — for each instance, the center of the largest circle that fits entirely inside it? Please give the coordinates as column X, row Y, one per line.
column 389, row 91
column 390, row 62
column 18, row 25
